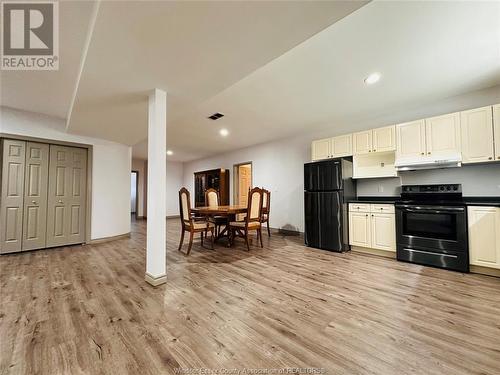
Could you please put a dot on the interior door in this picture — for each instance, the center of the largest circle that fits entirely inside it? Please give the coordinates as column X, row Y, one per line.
column 66, row 196
column 12, row 196
column 35, row 196
column 244, row 184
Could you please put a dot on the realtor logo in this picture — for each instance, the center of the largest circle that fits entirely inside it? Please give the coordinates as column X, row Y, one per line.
column 30, row 35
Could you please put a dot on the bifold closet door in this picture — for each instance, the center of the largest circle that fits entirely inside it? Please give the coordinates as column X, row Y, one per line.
column 35, row 196
column 66, row 196
column 11, row 208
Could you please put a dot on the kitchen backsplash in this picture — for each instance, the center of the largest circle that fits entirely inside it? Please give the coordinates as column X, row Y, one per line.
column 476, row 180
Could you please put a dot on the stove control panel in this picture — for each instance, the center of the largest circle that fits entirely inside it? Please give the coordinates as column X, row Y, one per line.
column 431, row 189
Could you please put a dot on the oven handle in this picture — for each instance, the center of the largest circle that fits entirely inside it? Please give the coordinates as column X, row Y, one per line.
column 431, row 209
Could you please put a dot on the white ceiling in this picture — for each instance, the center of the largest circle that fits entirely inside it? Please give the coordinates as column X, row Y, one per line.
column 425, row 51
column 268, row 66
column 50, row 92
column 194, row 50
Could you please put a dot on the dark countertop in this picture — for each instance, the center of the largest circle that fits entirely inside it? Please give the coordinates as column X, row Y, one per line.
column 469, row 201
column 375, row 200
column 482, row 201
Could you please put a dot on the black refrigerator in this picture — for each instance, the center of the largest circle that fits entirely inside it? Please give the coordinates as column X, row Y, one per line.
column 328, row 185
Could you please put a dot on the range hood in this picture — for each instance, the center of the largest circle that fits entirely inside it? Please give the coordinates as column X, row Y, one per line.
column 427, row 162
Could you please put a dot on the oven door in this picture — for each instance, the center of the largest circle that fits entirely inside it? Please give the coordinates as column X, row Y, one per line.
column 440, row 228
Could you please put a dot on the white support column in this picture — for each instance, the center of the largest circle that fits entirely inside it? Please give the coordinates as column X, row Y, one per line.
column 156, row 252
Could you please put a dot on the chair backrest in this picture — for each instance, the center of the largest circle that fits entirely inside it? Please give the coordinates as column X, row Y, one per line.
column 211, row 197
column 185, row 205
column 254, row 208
column 266, row 201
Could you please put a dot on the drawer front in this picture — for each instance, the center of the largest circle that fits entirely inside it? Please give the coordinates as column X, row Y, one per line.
column 359, row 207
column 382, row 208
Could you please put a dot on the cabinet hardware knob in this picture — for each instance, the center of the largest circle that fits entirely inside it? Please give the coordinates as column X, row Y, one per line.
column 374, row 150
column 422, row 153
column 369, row 150
column 372, row 215
column 34, row 202
column 381, row 208
column 366, row 215
column 490, row 158
column 498, row 158
column 59, row 201
column 429, row 153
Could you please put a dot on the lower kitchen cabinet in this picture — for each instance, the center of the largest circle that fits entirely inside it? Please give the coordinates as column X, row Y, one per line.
column 484, row 236
column 359, row 229
column 383, row 231
column 374, row 228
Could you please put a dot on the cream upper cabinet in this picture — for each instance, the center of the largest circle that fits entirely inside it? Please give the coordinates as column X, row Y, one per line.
column 362, row 142
column 484, row 236
column 383, row 230
column 496, row 124
column 384, row 139
column 477, row 135
column 443, row 135
column 341, row 146
column 359, row 229
column 320, row 149
column 411, row 139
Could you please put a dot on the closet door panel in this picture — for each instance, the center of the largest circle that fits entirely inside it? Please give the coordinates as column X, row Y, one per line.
column 35, row 196
column 12, row 195
column 67, row 196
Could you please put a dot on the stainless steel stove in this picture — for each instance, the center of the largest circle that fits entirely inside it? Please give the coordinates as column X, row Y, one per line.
column 431, row 226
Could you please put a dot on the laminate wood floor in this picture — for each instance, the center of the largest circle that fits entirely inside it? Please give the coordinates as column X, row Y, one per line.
column 88, row 310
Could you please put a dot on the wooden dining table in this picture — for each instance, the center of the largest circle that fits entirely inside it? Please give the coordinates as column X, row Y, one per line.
column 229, row 211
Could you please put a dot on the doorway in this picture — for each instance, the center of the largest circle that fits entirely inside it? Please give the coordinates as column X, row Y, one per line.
column 242, row 182
column 134, row 188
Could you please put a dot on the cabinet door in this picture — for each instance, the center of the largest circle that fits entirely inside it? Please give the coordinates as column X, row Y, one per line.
column 35, row 196
column 362, row 142
column 484, row 236
column 66, row 196
column 11, row 208
column 383, row 231
column 384, row 139
column 359, row 229
column 496, row 123
column 410, row 140
column 443, row 135
column 341, row 146
column 320, row 149
column 477, row 135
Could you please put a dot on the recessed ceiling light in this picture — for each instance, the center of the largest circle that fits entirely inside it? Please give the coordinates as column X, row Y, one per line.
column 170, row 152
column 223, row 132
column 372, row 78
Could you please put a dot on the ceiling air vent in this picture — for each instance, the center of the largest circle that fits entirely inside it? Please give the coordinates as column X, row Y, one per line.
column 216, row 116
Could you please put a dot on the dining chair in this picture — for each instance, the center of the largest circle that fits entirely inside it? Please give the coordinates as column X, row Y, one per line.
column 252, row 219
column 266, row 208
column 189, row 223
column 212, row 199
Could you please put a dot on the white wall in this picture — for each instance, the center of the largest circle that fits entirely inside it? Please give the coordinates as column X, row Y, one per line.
column 278, row 165
column 110, row 170
column 174, row 184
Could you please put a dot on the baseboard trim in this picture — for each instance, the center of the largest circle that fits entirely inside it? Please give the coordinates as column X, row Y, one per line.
column 369, row 250
column 484, row 270
column 108, row 239
column 155, row 281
